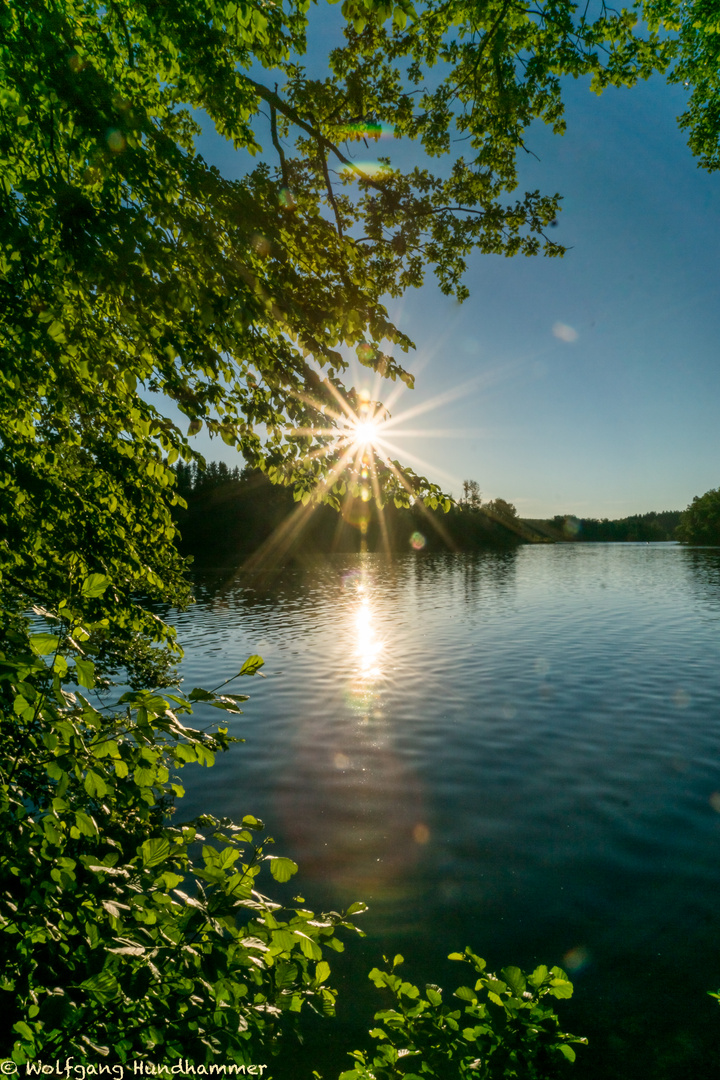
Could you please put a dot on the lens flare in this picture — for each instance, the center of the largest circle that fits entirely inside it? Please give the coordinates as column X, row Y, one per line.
column 365, row 433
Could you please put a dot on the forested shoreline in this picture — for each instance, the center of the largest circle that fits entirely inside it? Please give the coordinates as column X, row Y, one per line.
column 652, row 527
column 238, row 514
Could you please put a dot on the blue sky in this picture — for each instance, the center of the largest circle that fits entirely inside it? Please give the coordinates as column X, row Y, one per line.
column 587, row 385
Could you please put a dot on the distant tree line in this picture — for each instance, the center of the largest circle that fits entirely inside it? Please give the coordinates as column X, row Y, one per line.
column 234, row 513
column 637, row 528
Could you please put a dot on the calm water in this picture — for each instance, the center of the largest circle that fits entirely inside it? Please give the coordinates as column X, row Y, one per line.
column 516, row 751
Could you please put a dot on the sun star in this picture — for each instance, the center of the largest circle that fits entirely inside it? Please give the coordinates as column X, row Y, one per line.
column 365, row 433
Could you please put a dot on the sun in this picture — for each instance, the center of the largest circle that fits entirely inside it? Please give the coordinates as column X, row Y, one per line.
column 365, row 433
column 359, row 439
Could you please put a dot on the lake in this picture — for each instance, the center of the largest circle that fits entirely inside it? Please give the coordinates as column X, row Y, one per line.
column 516, row 751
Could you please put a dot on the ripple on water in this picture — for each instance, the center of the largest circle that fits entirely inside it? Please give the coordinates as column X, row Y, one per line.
column 518, row 751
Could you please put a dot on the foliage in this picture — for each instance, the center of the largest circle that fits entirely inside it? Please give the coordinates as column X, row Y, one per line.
column 129, row 265
column 471, row 496
column 700, row 522
column 697, row 48
column 498, row 1028
column 121, row 932
column 502, row 508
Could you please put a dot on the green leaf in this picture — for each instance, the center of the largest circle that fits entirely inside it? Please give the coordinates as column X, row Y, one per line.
column 357, row 908
column 538, row 976
column 145, row 777
column 515, row 979
column 85, row 824
column 56, row 330
column 171, row 880
column 154, row 852
column 310, row 948
column 44, row 644
column 198, row 694
column 561, row 988
column 85, row 673
column 285, row 974
column 95, row 785
column 282, row 869
column 567, row 1051
column 104, row 983
column 95, row 585
column 322, row 971
column 251, row 665
column 284, row 939
column 60, row 666
column 251, row 822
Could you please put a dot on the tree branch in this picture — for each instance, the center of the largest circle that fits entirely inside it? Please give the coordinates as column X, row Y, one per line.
column 276, row 144
column 276, row 102
column 331, row 193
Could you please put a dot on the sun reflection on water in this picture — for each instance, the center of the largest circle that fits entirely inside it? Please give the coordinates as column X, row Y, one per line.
column 352, row 835
column 368, row 645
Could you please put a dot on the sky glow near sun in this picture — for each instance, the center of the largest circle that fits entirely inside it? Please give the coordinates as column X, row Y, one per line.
column 370, row 433
column 359, row 443
column 360, row 435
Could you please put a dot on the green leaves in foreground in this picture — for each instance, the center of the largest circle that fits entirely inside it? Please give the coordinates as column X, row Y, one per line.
column 123, row 933
column 496, row 1027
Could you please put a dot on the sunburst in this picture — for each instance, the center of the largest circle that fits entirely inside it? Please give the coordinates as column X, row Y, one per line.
column 359, row 443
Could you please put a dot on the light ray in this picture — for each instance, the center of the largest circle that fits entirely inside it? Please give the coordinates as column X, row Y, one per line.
column 444, row 398
column 375, row 483
column 280, row 540
column 439, row 529
column 441, row 433
column 390, row 447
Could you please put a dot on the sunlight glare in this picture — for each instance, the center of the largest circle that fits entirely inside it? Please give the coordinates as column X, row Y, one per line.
column 369, row 646
column 365, row 433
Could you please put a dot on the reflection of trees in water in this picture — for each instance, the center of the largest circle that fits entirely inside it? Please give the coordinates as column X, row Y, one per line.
column 472, row 577
column 492, row 572
column 313, row 587
column 313, row 580
column 477, row 569
column 703, row 567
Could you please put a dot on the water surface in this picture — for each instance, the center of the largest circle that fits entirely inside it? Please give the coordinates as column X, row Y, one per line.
column 516, row 751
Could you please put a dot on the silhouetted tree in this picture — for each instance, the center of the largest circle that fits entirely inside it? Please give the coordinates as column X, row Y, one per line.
column 502, row 508
column 700, row 523
column 472, row 496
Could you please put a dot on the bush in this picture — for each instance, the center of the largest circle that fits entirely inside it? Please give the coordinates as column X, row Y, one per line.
column 122, row 932
column 497, row 1028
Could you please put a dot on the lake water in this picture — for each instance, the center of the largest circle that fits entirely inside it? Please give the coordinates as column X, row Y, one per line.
column 518, row 751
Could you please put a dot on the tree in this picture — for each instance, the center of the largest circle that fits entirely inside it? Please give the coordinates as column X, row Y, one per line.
column 129, row 265
column 700, row 522
column 502, row 508
column 471, row 494
column 697, row 52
